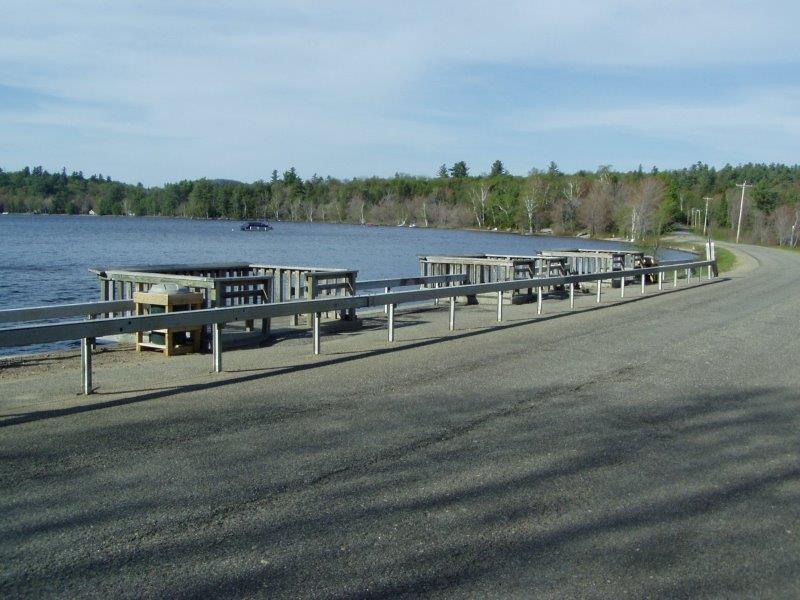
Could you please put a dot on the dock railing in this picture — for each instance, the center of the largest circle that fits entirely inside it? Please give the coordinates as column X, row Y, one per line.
column 224, row 284
column 425, row 282
column 217, row 317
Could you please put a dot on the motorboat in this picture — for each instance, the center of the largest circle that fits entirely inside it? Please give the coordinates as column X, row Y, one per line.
column 256, row 226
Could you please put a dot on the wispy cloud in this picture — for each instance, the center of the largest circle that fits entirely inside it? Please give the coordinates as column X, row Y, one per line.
column 186, row 89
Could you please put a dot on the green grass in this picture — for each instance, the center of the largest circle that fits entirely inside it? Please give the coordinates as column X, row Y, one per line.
column 725, row 259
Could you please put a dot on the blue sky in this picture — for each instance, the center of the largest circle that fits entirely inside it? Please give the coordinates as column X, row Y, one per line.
column 162, row 91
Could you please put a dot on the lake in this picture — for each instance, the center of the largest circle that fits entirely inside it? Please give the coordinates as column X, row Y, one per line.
column 44, row 259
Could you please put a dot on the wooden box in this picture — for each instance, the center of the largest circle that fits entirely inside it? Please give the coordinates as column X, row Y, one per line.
column 178, row 340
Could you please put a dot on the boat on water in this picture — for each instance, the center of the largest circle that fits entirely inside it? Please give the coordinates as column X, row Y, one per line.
column 256, row 226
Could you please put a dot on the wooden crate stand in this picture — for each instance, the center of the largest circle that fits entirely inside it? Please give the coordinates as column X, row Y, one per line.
column 169, row 302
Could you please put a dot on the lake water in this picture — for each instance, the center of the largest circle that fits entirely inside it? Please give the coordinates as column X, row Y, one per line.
column 44, row 259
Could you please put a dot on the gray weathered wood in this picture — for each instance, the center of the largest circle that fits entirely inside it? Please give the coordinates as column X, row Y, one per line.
column 37, row 334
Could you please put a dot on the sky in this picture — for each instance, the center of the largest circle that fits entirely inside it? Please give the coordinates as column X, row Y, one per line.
column 156, row 92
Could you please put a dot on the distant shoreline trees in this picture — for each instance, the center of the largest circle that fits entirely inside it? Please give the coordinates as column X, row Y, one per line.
column 631, row 204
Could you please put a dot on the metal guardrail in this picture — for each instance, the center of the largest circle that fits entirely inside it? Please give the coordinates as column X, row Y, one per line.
column 60, row 311
column 86, row 331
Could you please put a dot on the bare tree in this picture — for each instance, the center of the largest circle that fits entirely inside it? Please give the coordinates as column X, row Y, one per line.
column 785, row 223
column 294, row 208
column 356, row 209
column 385, row 212
column 534, row 196
column 278, row 199
column 565, row 210
column 504, row 205
column 480, row 197
column 308, row 208
column 594, row 212
column 643, row 202
column 419, row 208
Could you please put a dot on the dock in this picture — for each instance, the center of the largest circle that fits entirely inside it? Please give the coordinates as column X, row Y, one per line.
column 244, row 292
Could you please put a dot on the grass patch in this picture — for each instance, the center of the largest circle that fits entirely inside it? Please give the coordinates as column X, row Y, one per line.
column 725, row 259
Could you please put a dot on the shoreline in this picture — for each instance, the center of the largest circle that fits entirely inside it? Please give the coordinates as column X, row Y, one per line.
column 22, row 353
column 316, row 222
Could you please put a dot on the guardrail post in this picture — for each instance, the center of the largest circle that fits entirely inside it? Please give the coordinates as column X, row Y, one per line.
column 391, row 322
column 452, row 313
column 660, row 280
column 572, row 295
column 216, row 346
column 315, row 326
column 599, row 288
column 386, row 306
column 311, row 289
column 86, row 365
column 499, row 306
column 538, row 300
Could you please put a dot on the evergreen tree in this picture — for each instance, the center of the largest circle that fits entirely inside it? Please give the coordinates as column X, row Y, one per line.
column 459, row 169
column 497, row 169
column 721, row 212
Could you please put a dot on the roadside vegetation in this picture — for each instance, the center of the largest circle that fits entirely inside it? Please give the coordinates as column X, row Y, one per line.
column 725, row 259
column 635, row 205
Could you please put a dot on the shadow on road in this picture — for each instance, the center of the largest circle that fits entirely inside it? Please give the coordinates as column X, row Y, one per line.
column 552, row 490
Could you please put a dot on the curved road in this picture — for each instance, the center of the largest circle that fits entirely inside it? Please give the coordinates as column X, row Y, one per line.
column 648, row 448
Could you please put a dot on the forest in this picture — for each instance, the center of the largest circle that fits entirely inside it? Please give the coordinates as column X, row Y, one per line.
column 630, row 204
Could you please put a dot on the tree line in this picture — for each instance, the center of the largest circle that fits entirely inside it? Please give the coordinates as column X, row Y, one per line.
column 632, row 204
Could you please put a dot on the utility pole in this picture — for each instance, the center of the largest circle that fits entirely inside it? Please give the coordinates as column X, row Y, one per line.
column 705, row 221
column 741, row 209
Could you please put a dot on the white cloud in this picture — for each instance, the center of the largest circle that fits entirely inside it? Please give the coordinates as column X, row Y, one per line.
column 768, row 111
column 292, row 82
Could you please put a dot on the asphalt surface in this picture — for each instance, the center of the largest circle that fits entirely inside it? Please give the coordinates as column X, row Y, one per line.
column 647, row 448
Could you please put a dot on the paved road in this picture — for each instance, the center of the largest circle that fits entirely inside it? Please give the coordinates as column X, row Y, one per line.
column 644, row 449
